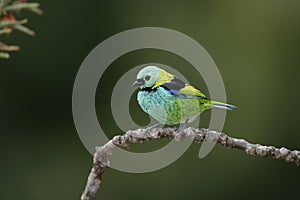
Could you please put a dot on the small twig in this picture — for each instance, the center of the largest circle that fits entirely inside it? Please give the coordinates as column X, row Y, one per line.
column 4, row 55
column 4, row 47
column 21, row 6
column 37, row 11
column 199, row 135
column 2, row 6
column 24, row 29
column 5, row 31
column 8, row 22
column 12, row 23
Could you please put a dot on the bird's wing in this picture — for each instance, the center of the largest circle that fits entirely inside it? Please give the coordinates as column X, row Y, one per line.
column 176, row 86
column 190, row 92
column 182, row 90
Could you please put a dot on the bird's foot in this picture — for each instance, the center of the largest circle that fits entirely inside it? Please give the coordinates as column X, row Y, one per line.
column 180, row 130
column 152, row 127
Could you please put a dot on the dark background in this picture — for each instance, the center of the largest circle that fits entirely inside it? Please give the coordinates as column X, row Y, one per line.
column 255, row 45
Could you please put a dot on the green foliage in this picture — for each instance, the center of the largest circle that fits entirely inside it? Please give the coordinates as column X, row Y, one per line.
column 8, row 22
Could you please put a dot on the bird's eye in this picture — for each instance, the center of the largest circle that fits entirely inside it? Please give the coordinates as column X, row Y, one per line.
column 147, row 78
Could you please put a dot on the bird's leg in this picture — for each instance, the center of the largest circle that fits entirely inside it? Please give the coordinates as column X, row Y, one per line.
column 152, row 127
column 180, row 129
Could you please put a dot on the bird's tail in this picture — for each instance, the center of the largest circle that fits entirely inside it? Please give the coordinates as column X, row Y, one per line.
column 225, row 106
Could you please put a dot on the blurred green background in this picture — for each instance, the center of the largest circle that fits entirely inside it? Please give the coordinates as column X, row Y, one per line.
column 255, row 45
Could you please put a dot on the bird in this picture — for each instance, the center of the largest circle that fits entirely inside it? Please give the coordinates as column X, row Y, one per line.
column 170, row 100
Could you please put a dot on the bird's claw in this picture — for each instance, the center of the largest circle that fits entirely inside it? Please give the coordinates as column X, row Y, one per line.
column 181, row 129
column 148, row 130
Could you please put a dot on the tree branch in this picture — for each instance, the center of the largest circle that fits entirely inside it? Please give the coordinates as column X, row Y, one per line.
column 8, row 22
column 101, row 161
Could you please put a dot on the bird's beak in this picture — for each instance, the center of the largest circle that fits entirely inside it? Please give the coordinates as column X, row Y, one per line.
column 138, row 82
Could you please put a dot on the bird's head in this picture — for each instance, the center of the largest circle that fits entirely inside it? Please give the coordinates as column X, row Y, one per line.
column 147, row 77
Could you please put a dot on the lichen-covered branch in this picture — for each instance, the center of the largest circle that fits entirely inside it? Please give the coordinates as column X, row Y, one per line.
column 8, row 22
column 102, row 153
